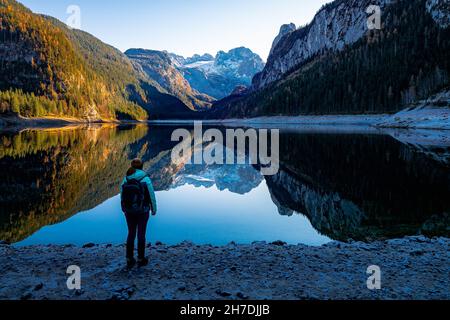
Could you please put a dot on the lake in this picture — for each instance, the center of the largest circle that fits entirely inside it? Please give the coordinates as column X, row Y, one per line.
column 61, row 186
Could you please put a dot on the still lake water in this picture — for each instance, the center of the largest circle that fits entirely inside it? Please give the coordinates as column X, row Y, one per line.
column 60, row 186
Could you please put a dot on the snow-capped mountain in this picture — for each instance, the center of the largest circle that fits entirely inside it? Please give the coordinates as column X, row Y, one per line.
column 163, row 69
column 218, row 76
column 181, row 61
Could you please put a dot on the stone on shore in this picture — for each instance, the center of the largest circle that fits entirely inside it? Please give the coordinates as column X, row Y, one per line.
column 411, row 268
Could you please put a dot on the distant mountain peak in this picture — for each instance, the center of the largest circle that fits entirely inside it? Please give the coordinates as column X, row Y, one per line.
column 181, row 61
column 284, row 30
column 162, row 67
column 197, row 58
column 218, row 76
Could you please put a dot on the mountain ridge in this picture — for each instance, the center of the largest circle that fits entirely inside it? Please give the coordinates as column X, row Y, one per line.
column 218, row 76
column 49, row 69
column 159, row 66
column 383, row 71
column 346, row 22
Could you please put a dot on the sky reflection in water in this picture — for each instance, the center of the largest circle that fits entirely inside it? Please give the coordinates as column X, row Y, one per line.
column 204, row 216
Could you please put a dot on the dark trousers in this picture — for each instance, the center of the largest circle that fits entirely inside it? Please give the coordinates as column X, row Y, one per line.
column 137, row 224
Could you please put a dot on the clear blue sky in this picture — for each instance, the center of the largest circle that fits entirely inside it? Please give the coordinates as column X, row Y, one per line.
column 184, row 26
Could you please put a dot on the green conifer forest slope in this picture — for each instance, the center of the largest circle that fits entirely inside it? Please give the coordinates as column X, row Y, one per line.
column 407, row 60
column 50, row 70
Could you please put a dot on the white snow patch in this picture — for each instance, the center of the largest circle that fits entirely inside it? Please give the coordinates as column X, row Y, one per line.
column 432, row 113
column 419, row 118
column 200, row 65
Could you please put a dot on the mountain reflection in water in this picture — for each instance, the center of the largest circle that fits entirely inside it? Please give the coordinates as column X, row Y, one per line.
column 349, row 186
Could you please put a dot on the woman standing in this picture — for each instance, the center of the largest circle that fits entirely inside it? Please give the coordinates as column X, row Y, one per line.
column 138, row 200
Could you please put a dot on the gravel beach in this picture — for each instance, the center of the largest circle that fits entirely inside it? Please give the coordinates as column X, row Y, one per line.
column 411, row 268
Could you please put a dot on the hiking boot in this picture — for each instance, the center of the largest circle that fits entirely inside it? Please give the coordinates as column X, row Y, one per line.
column 143, row 262
column 131, row 263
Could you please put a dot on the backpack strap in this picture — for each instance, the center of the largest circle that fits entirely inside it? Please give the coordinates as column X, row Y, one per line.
column 138, row 180
column 146, row 176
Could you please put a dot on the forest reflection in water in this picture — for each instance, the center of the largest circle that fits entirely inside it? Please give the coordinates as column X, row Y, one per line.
column 363, row 186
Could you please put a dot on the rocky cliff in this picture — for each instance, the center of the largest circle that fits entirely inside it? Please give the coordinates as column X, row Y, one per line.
column 284, row 30
column 335, row 26
column 159, row 66
column 336, row 65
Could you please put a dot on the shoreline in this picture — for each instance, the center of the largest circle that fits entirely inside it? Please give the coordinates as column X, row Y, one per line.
column 412, row 268
column 18, row 122
column 327, row 121
column 420, row 118
column 427, row 136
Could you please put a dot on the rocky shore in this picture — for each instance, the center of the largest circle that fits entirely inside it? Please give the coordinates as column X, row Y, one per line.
column 411, row 268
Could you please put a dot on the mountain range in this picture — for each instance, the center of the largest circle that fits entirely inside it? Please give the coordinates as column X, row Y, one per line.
column 334, row 65
column 49, row 69
column 345, row 68
column 218, row 76
column 158, row 65
column 201, row 79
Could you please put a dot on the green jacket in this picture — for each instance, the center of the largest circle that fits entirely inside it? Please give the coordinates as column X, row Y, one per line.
column 140, row 175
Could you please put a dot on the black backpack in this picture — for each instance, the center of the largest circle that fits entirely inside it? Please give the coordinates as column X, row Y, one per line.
column 134, row 196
